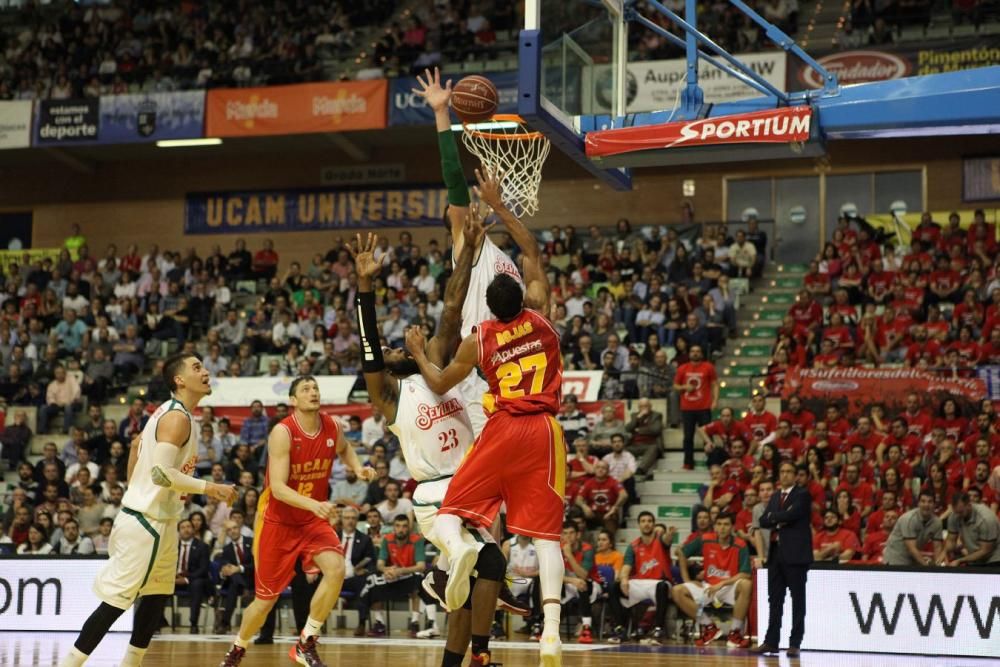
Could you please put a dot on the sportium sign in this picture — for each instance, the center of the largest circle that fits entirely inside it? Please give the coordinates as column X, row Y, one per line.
column 774, row 126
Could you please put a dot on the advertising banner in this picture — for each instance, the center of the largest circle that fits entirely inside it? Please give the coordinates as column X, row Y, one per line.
column 311, row 210
column 774, row 126
column 333, row 389
column 133, row 118
column 67, row 121
column 882, row 64
column 947, row 611
column 15, row 124
column 408, row 108
column 297, row 109
column 50, row 594
column 655, row 85
column 585, row 384
column 857, row 389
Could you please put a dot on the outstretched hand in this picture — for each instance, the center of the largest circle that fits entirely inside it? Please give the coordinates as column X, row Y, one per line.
column 473, row 231
column 415, row 341
column 437, row 96
column 363, row 252
column 488, row 189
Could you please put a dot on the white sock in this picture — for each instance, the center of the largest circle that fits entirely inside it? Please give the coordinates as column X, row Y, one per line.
column 432, row 614
column 312, row 629
column 74, row 658
column 448, row 528
column 737, row 624
column 443, row 563
column 587, row 620
column 133, row 656
column 552, row 611
column 414, row 617
column 378, row 616
column 242, row 643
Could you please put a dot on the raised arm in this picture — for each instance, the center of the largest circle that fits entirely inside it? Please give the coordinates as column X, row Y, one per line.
column 440, row 380
column 438, row 97
column 446, row 339
column 383, row 388
column 537, row 292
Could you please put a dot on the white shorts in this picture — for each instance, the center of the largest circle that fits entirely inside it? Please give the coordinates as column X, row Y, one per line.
column 142, row 559
column 427, row 499
column 642, row 590
column 724, row 596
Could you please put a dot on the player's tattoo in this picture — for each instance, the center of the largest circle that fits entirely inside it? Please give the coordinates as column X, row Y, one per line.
column 160, row 478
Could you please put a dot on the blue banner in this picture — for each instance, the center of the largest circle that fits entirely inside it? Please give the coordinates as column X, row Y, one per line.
column 407, row 108
column 319, row 209
column 135, row 118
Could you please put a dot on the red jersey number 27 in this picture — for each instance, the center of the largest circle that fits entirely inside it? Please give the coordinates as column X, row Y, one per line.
column 448, row 439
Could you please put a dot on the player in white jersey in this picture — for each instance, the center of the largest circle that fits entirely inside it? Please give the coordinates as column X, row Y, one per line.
column 143, row 548
column 488, row 259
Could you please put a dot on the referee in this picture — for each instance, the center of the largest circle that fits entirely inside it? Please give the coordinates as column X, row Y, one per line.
column 787, row 515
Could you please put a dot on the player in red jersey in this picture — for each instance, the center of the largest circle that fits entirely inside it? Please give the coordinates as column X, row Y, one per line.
column 520, row 456
column 293, row 519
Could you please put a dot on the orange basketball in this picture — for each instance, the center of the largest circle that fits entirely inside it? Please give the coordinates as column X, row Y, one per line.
column 475, row 99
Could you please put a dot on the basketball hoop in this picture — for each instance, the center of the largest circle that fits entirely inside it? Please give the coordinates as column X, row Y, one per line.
column 506, row 145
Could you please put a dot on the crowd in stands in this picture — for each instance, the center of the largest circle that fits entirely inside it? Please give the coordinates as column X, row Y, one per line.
column 77, row 329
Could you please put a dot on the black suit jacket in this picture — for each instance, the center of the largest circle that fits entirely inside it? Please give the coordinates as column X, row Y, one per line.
column 229, row 556
column 198, row 559
column 791, row 522
column 363, row 549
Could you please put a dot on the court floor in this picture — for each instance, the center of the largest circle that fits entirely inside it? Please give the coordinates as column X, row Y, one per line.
column 207, row 650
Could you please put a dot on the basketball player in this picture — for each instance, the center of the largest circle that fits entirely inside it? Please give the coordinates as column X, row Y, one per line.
column 143, row 549
column 520, row 456
column 488, row 259
column 293, row 519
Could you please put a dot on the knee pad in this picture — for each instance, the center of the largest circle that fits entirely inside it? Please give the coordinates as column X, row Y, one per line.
column 491, row 565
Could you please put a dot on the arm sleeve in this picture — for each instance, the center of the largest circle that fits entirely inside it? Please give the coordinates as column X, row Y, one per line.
column 371, row 346
column 165, row 474
column 383, row 552
column 451, row 170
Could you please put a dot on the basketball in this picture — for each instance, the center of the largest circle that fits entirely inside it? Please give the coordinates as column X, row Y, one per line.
column 475, row 99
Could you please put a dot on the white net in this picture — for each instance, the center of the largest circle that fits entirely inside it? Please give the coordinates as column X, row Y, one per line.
column 513, row 150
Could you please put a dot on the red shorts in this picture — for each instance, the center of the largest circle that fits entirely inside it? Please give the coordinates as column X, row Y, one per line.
column 277, row 546
column 519, row 460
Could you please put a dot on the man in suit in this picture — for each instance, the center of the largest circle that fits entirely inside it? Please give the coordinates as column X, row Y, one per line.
column 359, row 561
column 237, row 568
column 788, row 516
column 192, row 570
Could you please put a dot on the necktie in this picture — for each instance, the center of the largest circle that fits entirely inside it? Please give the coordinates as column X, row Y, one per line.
column 347, row 549
column 184, row 559
column 784, row 497
column 239, row 553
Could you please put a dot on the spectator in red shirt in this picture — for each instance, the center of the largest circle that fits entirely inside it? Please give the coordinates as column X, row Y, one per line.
column 745, row 516
column 862, row 495
column 879, row 285
column 944, row 283
column 922, row 348
column 875, row 540
column 790, row 447
column 265, row 261
column 980, row 485
column 911, row 449
column 937, row 485
column 950, row 464
column 808, row 477
column 890, row 336
column 829, row 446
column 983, row 430
column 759, row 421
column 839, row 333
column 836, row 423
column 807, row 312
column 888, row 503
column 739, row 463
column 968, row 349
column 894, row 482
column 834, row 543
column 801, row 421
column 865, row 436
column 829, row 356
column 723, row 492
column 856, row 456
column 818, row 284
column 969, row 312
column 850, row 517
column 601, row 499
column 718, row 436
column 918, row 422
column 950, row 419
column 981, row 453
column 989, row 352
column 581, row 467
column 698, row 385
column 927, row 232
column 894, row 459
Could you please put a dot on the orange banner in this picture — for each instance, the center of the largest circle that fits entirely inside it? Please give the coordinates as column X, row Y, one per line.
column 857, row 389
column 299, row 109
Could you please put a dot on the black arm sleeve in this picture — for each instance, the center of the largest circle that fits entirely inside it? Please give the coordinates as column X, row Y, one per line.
column 371, row 348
